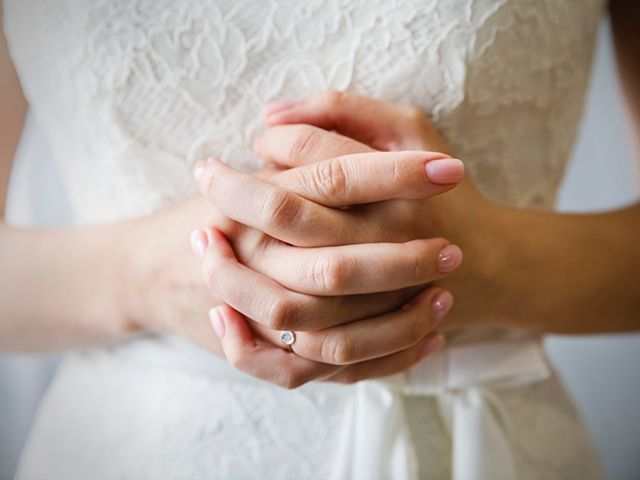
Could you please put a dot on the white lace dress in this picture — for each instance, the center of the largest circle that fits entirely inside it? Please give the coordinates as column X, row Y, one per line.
column 132, row 92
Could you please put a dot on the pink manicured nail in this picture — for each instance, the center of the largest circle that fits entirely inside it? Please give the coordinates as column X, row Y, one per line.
column 275, row 107
column 217, row 322
column 445, row 171
column 198, row 170
column 441, row 305
column 449, row 258
column 199, row 243
column 433, row 345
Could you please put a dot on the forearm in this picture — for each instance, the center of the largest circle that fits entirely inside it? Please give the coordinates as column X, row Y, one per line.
column 578, row 273
column 61, row 288
column 561, row 273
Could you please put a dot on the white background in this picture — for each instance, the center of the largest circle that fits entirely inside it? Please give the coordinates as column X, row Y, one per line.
column 601, row 372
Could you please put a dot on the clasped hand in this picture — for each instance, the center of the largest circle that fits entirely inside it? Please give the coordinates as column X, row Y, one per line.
column 330, row 243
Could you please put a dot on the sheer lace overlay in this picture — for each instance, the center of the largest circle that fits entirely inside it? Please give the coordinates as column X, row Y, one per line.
column 131, row 93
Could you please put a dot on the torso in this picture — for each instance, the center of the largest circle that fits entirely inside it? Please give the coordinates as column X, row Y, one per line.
column 131, row 93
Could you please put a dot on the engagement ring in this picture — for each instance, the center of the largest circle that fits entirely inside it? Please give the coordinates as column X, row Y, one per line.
column 288, row 338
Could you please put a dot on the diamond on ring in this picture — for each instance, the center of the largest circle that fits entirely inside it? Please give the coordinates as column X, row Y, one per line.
column 288, row 337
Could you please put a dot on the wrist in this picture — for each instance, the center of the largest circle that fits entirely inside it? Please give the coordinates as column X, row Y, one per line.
column 161, row 282
column 133, row 269
column 510, row 271
column 482, row 285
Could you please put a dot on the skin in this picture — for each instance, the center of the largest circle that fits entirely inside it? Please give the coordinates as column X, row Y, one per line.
column 140, row 275
column 493, row 288
column 369, row 347
column 574, row 289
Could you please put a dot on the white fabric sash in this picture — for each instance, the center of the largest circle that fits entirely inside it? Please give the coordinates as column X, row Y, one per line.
column 374, row 442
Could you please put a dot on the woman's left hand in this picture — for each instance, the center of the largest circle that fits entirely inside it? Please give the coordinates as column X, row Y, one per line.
column 405, row 219
column 334, row 340
column 307, row 131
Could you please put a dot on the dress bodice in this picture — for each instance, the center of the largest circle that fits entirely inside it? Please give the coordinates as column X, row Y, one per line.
column 131, row 93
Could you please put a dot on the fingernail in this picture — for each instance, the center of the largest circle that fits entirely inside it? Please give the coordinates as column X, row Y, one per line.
column 433, row 345
column 275, row 107
column 445, row 171
column 199, row 243
column 441, row 305
column 217, row 322
column 198, row 170
column 449, row 258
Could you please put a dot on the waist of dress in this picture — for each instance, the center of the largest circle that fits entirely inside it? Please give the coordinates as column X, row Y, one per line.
column 496, row 359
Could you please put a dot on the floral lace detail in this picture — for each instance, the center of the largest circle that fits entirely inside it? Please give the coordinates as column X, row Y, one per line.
column 132, row 92
column 146, row 88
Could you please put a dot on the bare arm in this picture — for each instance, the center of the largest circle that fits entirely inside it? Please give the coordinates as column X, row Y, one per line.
column 529, row 270
column 592, row 283
column 13, row 108
column 40, row 268
column 577, row 273
column 561, row 273
column 69, row 287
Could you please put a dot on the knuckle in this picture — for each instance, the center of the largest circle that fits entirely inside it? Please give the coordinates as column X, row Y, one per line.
column 330, row 178
column 414, row 114
column 348, row 377
column 330, row 273
column 332, row 98
column 290, row 380
column 281, row 314
column 209, row 183
column 239, row 362
column 279, row 208
column 397, row 172
column 423, row 257
column 420, row 326
column 337, row 350
column 212, row 273
column 406, row 214
column 399, row 221
column 421, row 262
column 306, row 141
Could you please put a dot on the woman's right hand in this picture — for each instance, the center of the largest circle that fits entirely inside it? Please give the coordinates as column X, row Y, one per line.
column 162, row 287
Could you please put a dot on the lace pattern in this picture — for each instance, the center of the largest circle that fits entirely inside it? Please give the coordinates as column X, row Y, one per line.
column 146, row 88
column 132, row 92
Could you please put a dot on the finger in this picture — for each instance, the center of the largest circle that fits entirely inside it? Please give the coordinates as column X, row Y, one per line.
column 363, row 268
column 338, row 182
column 368, row 120
column 269, row 208
column 266, row 362
column 373, row 177
column 265, row 301
column 377, row 336
column 294, row 145
column 359, row 117
column 390, row 365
